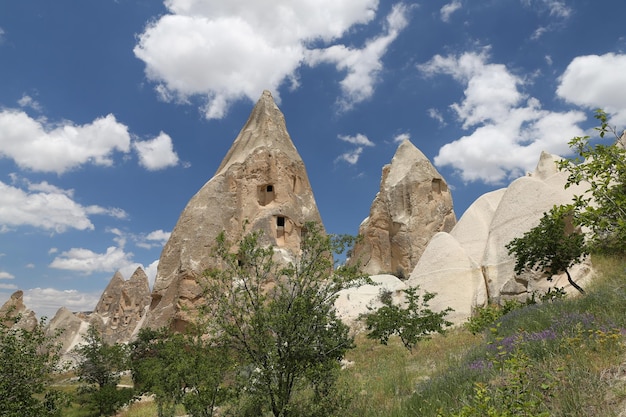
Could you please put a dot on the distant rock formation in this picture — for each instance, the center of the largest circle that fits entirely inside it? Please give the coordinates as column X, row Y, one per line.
column 123, row 306
column 471, row 264
column 261, row 184
column 118, row 315
column 413, row 204
column 14, row 313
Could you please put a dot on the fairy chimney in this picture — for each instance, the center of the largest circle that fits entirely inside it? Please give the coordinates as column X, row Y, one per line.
column 413, row 204
column 261, row 184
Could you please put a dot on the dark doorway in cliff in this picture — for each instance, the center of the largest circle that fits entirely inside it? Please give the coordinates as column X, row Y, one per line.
column 280, row 230
column 265, row 194
column 439, row 186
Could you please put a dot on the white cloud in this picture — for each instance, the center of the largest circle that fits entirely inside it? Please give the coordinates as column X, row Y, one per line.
column 6, row 275
column 227, row 50
column 28, row 101
column 87, row 261
column 510, row 128
column 597, row 81
column 351, row 157
column 363, row 66
column 490, row 92
column 555, row 8
column 159, row 236
column 36, row 145
column 358, row 139
column 436, row 114
column 2, row 32
column 50, row 209
column 447, row 10
column 538, row 33
column 401, row 138
column 157, row 153
column 8, row 287
column 46, row 301
column 115, row 212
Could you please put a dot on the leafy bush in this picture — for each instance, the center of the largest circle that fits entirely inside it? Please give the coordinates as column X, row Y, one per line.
column 411, row 322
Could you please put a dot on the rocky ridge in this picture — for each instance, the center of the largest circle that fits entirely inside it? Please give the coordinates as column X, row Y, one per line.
column 262, row 184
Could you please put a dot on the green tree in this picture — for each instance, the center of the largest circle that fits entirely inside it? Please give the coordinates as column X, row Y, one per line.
column 281, row 321
column 28, row 359
column 552, row 246
column 180, row 369
column 411, row 321
column 99, row 368
column 602, row 208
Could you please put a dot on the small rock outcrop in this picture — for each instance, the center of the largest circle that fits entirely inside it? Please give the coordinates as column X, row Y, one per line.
column 118, row 316
column 70, row 328
column 14, row 313
column 413, row 204
column 471, row 265
column 261, row 184
column 123, row 306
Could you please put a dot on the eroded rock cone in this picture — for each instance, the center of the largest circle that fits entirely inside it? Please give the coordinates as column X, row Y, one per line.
column 413, row 204
column 14, row 313
column 122, row 306
column 261, row 184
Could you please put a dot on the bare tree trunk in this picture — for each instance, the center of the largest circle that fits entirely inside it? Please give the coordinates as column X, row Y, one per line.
column 571, row 281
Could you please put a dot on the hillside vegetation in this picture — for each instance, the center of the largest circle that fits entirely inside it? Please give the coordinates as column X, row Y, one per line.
column 558, row 358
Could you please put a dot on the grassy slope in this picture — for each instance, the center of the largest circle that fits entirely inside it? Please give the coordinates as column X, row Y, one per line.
column 564, row 358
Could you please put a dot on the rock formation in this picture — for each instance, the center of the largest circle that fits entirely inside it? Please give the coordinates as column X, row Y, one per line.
column 413, row 204
column 118, row 315
column 471, row 264
column 14, row 313
column 261, row 184
column 123, row 306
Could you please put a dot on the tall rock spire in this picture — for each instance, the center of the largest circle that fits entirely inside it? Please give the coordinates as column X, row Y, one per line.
column 261, row 183
column 413, row 204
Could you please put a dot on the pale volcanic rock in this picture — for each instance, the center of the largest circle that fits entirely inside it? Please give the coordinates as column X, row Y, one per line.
column 471, row 265
column 353, row 302
column 472, row 230
column 261, row 184
column 69, row 327
column 446, row 270
column 14, row 313
column 413, row 204
column 122, row 306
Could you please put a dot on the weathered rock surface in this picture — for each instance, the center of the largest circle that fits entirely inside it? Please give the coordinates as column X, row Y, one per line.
column 413, row 204
column 118, row 315
column 70, row 328
column 352, row 302
column 123, row 306
column 14, row 313
column 261, row 184
column 448, row 271
column 474, row 252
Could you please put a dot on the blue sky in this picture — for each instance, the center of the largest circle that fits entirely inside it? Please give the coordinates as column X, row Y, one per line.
column 114, row 113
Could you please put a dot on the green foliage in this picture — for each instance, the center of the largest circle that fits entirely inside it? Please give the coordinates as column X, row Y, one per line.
column 179, row 369
column 602, row 209
column 28, row 359
column 281, row 321
column 514, row 394
column 550, row 247
column 484, row 317
column 411, row 322
column 99, row 369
